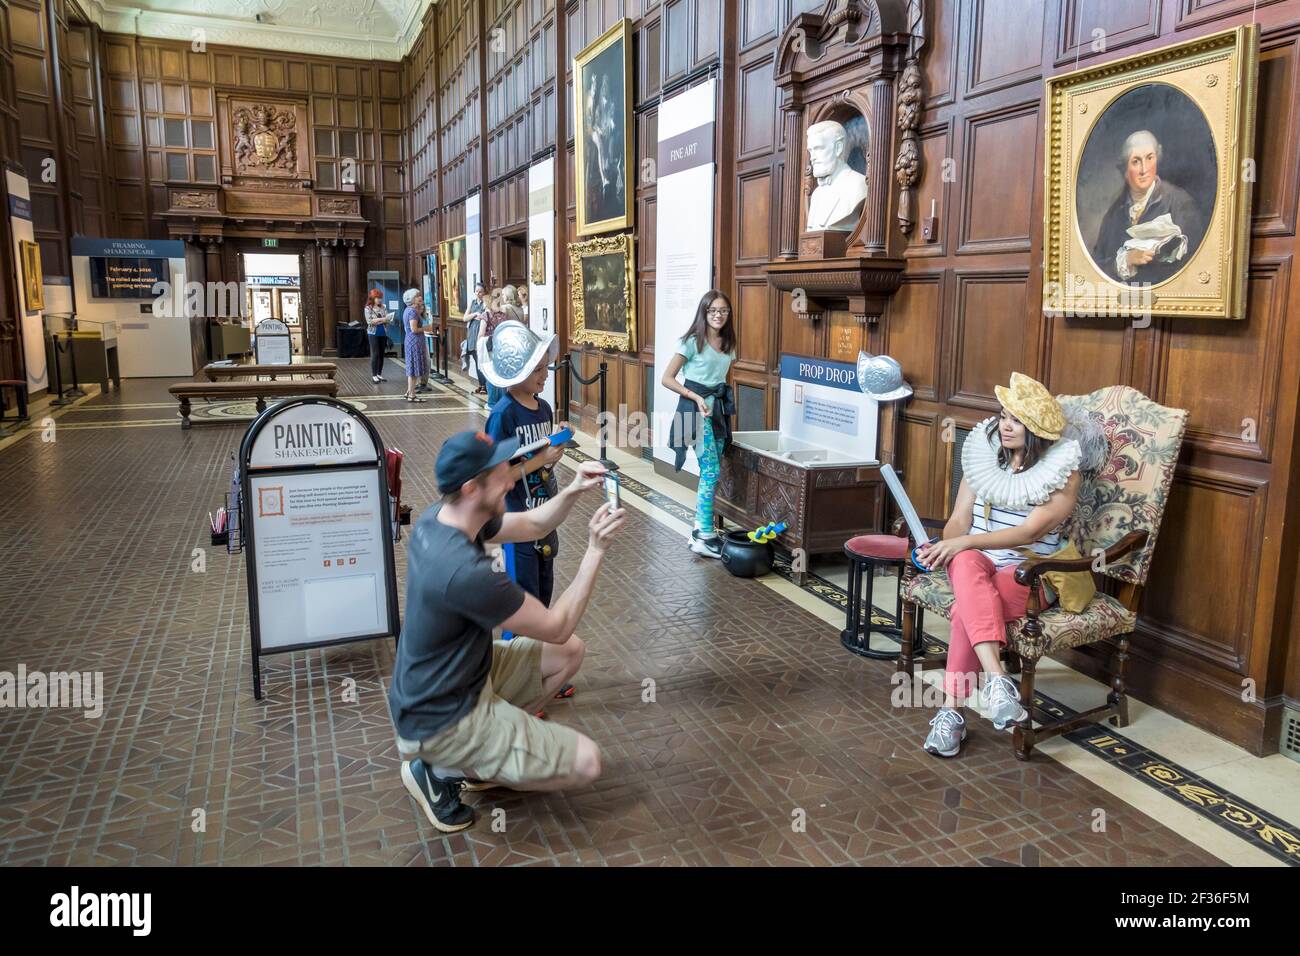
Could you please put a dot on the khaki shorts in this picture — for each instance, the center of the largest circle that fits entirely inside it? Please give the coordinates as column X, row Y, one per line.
column 500, row 740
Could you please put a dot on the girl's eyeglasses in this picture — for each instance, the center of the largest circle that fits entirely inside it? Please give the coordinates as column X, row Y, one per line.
column 719, row 312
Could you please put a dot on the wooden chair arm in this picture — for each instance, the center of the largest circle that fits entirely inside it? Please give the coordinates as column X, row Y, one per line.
column 1030, row 570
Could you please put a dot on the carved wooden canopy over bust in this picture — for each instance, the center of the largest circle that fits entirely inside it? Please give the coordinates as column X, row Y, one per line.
column 849, row 75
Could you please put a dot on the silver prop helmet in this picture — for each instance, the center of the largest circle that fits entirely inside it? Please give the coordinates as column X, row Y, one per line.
column 880, row 377
column 513, row 352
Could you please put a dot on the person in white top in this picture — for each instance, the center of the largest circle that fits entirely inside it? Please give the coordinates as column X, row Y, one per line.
column 1020, row 481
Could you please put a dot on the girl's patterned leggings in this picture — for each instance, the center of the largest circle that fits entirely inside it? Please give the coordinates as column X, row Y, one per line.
column 709, row 454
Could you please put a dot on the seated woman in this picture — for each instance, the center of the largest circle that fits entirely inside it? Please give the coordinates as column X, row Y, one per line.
column 1020, row 481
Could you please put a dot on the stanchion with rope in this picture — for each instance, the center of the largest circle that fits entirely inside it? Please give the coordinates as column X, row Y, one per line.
column 600, row 420
column 445, row 378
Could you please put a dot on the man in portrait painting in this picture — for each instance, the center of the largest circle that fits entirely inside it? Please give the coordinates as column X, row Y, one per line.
column 604, row 160
column 1153, row 227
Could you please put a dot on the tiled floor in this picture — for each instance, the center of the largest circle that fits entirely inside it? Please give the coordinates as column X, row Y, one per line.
column 764, row 742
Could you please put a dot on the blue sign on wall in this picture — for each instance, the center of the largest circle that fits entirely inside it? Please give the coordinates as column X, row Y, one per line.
column 816, row 371
column 129, row 248
column 20, row 207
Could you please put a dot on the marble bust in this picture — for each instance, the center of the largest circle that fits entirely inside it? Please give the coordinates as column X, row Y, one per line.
column 840, row 188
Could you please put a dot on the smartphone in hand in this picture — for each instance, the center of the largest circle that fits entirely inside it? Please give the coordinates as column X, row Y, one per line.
column 612, row 491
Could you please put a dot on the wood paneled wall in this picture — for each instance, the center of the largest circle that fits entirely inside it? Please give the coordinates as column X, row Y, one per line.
column 968, row 312
column 487, row 89
column 1217, row 621
column 116, row 118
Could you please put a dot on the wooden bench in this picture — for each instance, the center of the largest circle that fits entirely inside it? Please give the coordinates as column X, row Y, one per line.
column 224, row 372
column 185, row 391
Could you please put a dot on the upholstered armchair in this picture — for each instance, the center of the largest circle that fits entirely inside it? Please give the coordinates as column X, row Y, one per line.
column 1114, row 525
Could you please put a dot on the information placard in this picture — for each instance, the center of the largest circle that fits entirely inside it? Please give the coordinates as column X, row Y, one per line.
column 317, row 525
column 319, row 555
column 273, row 343
column 821, row 403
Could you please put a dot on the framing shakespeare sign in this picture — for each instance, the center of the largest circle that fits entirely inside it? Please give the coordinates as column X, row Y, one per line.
column 317, row 527
column 684, row 257
column 821, row 403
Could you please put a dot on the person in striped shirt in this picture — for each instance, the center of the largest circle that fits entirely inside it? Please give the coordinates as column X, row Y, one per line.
column 1020, row 481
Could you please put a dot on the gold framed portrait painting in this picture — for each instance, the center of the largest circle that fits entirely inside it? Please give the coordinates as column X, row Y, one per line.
column 537, row 252
column 33, row 278
column 602, row 101
column 603, row 289
column 1148, row 173
column 451, row 252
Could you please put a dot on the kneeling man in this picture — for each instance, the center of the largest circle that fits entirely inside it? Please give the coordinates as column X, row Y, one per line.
column 462, row 703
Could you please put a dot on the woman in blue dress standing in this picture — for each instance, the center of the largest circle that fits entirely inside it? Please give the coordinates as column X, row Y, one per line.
column 417, row 354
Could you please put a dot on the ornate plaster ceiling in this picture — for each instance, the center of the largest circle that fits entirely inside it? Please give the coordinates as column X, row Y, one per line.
column 365, row 29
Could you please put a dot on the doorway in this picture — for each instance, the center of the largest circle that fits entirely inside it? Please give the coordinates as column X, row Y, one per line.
column 274, row 291
column 516, row 256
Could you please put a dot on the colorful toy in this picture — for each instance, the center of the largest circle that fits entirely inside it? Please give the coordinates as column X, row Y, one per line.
column 767, row 532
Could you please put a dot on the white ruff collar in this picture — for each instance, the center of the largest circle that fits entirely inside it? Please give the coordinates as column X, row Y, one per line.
column 1005, row 489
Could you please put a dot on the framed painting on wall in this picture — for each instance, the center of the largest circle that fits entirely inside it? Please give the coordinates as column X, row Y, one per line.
column 33, row 277
column 1148, row 175
column 537, row 271
column 452, row 252
column 602, row 94
column 431, row 294
column 603, row 290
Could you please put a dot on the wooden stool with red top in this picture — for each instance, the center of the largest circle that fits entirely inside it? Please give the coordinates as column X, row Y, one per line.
column 865, row 552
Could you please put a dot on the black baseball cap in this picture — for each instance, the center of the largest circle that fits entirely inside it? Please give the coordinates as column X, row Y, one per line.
column 468, row 454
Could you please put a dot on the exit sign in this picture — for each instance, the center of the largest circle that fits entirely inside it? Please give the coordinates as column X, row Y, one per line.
column 270, row 243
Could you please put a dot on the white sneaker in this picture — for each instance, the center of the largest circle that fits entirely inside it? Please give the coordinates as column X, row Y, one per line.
column 707, row 547
column 949, row 731
column 376, row 379
column 1000, row 699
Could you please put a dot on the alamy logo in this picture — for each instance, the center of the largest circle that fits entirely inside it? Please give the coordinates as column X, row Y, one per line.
column 102, row 909
column 81, row 691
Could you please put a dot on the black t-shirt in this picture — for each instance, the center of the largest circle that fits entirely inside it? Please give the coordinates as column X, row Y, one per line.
column 454, row 599
column 511, row 419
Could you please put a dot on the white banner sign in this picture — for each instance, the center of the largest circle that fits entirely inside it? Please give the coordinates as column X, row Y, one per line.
column 684, row 256
column 31, row 324
column 541, row 228
column 473, row 247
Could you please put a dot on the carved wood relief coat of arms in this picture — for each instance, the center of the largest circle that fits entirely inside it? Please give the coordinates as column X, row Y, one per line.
column 264, row 140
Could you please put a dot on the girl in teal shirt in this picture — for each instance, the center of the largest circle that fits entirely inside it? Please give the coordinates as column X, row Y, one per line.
column 703, row 358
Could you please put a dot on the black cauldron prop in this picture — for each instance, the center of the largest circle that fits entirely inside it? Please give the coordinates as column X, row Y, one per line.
column 745, row 558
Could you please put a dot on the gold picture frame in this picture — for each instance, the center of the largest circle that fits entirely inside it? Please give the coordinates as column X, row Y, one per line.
column 602, row 104
column 602, row 275
column 537, row 254
column 1166, row 137
column 451, row 254
column 33, row 277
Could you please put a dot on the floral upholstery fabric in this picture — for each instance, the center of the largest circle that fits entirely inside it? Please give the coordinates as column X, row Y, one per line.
column 1103, row 617
column 1130, row 492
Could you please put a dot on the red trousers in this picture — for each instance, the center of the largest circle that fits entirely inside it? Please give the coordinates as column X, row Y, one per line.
column 987, row 597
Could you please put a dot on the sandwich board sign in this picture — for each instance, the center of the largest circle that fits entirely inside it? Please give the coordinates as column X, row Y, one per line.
column 273, row 347
column 317, row 527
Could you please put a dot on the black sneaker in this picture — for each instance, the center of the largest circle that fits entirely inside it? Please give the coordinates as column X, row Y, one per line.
column 440, row 799
column 708, row 547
